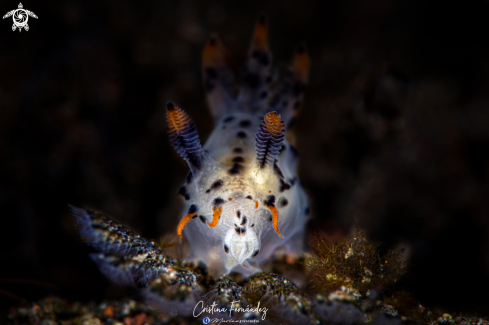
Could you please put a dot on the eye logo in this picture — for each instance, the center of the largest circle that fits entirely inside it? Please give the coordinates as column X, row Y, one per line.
column 20, row 17
column 206, row 320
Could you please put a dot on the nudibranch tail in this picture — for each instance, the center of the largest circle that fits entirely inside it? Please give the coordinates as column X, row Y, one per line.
column 191, row 214
column 183, row 136
column 270, row 204
column 219, row 81
column 269, row 139
column 288, row 97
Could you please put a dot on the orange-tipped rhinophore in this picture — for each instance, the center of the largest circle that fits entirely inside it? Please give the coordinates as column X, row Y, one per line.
column 269, row 139
column 183, row 135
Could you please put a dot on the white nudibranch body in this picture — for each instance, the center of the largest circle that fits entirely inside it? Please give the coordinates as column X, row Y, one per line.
column 243, row 197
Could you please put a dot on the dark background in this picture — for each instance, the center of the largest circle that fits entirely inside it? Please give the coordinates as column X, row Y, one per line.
column 393, row 134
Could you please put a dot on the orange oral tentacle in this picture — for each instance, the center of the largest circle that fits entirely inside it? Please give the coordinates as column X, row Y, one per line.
column 183, row 223
column 274, row 212
column 216, row 215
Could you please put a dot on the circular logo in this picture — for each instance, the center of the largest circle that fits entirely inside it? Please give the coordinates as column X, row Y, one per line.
column 206, row 320
column 20, row 17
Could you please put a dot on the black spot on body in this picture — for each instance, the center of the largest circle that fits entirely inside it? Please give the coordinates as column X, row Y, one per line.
column 192, row 209
column 252, row 225
column 307, row 211
column 249, row 197
column 215, row 186
column 256, row 54
column 238, row 214
column 203, row 219
column 277, row 170
column 252, row 80
column 226, row 249
column 283, row 202
column 292, row 181
column 218, row 202
column 268, row 80
column 284, row 186
column 297, row 104
column 238, row 159
column 270, row 201
column 284, row 103
column 263, row 94
column 183, row 192
column 241, row 135
column 262, row 57
column 243, row 221
column 255, row 253
column 245, row 123
column 265, row 60
column 237, row 150
column 240, row 230
column 210, row 77
column 235, row 169
column 211, row 73
column 229, row 119
column 299, row 89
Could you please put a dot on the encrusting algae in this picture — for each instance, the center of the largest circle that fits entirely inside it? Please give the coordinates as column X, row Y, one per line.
column 353, row 263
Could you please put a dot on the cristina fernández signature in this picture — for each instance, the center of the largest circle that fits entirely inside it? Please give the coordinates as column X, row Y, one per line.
column 201, row 308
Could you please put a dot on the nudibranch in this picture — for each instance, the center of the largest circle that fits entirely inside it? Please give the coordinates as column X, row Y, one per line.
column 242, row 195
